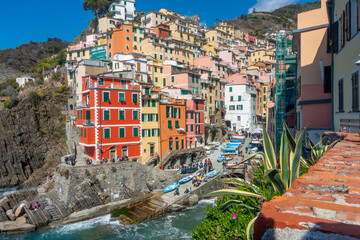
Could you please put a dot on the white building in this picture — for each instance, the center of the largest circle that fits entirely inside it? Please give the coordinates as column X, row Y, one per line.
column 123, row 9
column 24, row 80
column 137, row 63
column 240, row 103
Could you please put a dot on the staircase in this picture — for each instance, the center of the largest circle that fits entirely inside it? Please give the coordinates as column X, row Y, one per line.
column 150, row 209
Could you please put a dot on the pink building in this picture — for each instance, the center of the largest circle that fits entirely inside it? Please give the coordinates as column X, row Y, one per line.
column 195, row 125
column 229, row 58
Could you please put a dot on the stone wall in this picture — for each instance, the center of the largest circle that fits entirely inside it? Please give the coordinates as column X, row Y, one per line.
column 323, row 204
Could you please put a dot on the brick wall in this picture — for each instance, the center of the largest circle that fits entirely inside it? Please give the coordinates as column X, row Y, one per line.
column 324, row 203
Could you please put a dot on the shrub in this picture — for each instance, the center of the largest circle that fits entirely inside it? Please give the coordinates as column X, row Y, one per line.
column 10, row 103
column 63, row 88
column 2, row 94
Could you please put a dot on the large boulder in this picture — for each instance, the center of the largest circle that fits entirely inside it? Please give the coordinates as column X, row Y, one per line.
column 4, row 202
column 20, row 210
column 14, row 227
column 22, row 219
column 10, row 214
column 193, row 200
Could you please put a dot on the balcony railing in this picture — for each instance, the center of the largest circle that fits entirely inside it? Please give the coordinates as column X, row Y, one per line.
column 115, row 86
column 88, row 122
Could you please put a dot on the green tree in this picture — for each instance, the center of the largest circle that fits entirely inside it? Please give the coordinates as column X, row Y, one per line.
column 99, row 7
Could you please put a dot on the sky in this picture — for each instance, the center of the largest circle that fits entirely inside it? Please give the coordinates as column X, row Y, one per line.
column 22, row 21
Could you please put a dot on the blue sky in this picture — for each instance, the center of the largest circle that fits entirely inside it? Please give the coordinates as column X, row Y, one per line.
column 36, row 20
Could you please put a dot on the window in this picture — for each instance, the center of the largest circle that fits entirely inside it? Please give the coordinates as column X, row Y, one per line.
column 171, row 142
column 81, row 132
column 327, row 79
column 134, row 97
column 100, row 81
column 155, row 56
column 155, row 68
column 169, row 124
column 84, row 132
column 348, row 21
column 177, row 125
column 106, row 96
column 122, row 115
column 191, row 128
column 192, row 115
column 121, row 132
column 239, row 118
column 153, row 103
column 156, row 79
column 230, row 89
column 239, row 98
column 168, row 112
column 106, row 114
column 231, row 98
column 355, row 92
column 121, row 97
column 135, row 115
column 106, row 133
column 135, row 132
column 341, row 95
column 172, row 78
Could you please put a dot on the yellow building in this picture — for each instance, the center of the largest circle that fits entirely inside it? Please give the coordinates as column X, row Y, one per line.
column 154, row 18
column 211, row 48
column 263, row 56
column 150, row 123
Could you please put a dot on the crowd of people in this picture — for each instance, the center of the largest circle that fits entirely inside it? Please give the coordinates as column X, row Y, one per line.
column 118, row 159
column 35, row 206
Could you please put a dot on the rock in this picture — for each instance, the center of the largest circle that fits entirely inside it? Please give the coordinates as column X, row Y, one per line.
column 21, row 220
column 176, row 208
column 4, row 202
column 20, row 210
column 193, row 200
column 15, row 227
column 10, row 214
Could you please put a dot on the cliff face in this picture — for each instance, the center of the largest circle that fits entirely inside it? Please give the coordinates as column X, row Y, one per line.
column 32, row 137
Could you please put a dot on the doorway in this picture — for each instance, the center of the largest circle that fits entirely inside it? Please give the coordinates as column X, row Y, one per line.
column 112, row 153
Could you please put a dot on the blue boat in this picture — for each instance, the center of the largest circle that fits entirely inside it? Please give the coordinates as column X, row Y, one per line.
column 236, row 141
column 220, row 158
column 227, row 149
column 224, row 173
column 171, row 187
column 233, row 145
column 212, row 174
column 185, row 180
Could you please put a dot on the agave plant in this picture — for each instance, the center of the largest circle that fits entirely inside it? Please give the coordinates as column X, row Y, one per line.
column 319, row 149
column 255, row 194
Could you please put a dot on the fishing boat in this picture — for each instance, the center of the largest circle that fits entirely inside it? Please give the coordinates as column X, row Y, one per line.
column 233, row 145
column 220, row 158
column 224, row 173
column 189, row 170
column 239, row 137
column 236, row 141
column 212, row 174
column 185, row 179
column 171, row 187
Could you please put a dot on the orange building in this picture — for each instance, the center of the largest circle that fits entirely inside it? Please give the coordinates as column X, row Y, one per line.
column 120, row 40
column 162, row 31
column 172, row 125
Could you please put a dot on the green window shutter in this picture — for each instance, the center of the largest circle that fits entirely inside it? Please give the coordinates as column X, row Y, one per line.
column 239, row 98
column 106, row 96
column 153, row 103
column 192, row 127
column 177, row 124
column 192, row 78
column 135, row 132
column 241, row 107
column 121, row 115
column 121, row 132
column 148, row 103
column 161, row 70
column 169, row 124
column 187, row 128
column 147, row 90
column 156, row 79
column 172, row 78
column 107, row 133
column 135, row 98
column 149, row 117
column 179, row 109
column 106, row 114
column 192, row 115
column 121, row 97
column 155, row 56
column 81, row 132
column 157, row 117
column 143, row 132
column 135, row 115
column 231, row 98
column 230, row 89
column 149, row 135
column 84, row 132
column 152, row 132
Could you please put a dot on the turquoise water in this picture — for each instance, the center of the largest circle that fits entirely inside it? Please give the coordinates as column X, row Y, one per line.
column 2, row 191
column 172, row 226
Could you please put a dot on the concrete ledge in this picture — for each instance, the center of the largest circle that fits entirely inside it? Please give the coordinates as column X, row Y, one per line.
column 326, row 199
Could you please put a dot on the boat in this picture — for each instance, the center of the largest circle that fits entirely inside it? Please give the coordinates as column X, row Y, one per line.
column 212, row 174
column 224, row 173
column 236, row 141
column 229, row 157
column 235, row 145
column 216, row 144
column 228, row 150
column 189, row 170
column 239, row 137
column 220, row 158
column 171, row 187
column 185, row 179
column 254, row 150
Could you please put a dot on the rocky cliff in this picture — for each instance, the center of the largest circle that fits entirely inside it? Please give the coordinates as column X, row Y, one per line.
column 32, row 137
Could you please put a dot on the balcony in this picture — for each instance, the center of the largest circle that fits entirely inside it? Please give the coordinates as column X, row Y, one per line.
column 115, row 86
column 88, row 123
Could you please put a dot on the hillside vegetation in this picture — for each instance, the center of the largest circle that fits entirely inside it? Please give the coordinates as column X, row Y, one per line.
column 285, row 18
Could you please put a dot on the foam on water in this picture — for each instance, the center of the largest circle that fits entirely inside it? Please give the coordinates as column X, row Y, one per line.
column 170, row 227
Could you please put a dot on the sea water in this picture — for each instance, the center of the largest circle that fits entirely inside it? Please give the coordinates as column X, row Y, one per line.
column 2, row 191
column 172, row 226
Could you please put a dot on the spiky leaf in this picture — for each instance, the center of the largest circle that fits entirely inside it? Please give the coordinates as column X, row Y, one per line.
column 270, row 157
column 239, row 181
column 233, row 192
column 276, row 180
column 284, row 159
column 235, row 202
column 295, row 159
column 250, row 228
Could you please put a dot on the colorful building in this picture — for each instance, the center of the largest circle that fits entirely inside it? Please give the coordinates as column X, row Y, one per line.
column 346, row 50
column 109, row 119
column 120, row 40
column 172, row 125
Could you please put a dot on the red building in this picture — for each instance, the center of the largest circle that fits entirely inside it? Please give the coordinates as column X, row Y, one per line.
column 109, row 118
column 162, row 31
